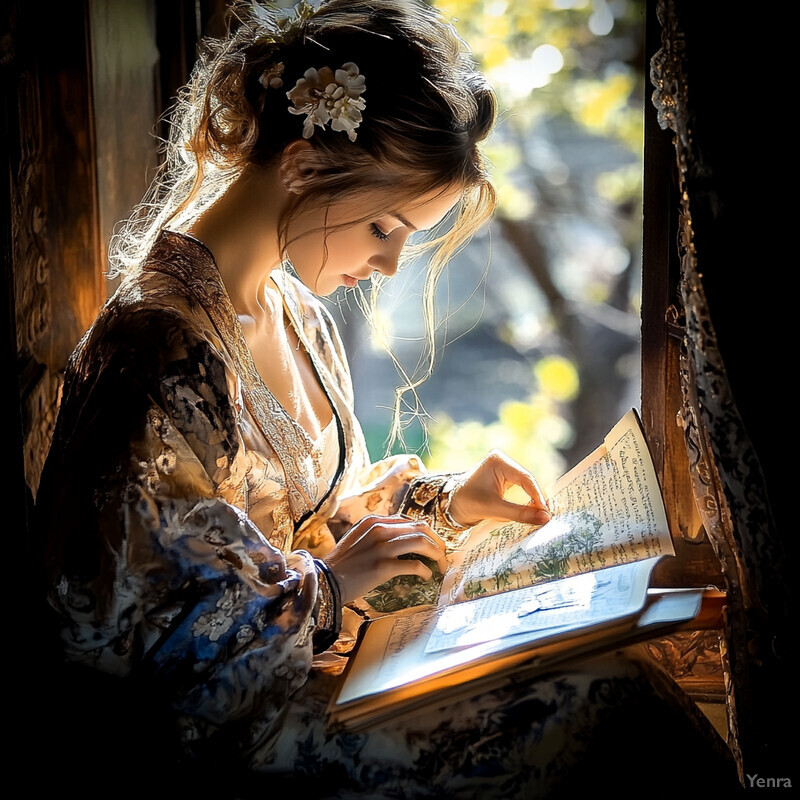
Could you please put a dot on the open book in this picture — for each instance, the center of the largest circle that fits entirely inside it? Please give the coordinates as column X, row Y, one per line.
column 520, row 599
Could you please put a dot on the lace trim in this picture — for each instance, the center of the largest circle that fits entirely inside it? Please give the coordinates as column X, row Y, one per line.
column 327, row 445
column 190, row 261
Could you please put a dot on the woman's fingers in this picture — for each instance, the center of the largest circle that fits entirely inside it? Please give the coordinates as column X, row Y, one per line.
column 392, row 568
column 498, row 508
column 482, row 495
column 402, row 533
column 369, row 553
column 509, row 473
column 418, row 543
column 528, row 484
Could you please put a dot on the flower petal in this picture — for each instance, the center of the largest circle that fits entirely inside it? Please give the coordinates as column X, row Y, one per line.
column 326, row 96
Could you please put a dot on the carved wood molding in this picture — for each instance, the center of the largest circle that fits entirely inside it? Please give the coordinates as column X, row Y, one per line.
column 727, row 481
column 32, row 286
column 693, row 659
column 54, row 210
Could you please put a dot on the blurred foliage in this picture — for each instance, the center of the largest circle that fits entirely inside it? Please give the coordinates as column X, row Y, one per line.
column 575, row 59
column 533, row 433
column 547, row 57
column 575, row 62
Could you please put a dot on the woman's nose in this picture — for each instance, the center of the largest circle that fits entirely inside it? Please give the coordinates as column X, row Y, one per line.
column 386, row 263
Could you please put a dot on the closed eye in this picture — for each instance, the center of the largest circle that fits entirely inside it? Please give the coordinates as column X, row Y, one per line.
column 377, row 232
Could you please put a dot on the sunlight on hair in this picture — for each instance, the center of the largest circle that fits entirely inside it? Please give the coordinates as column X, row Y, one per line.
column 381, row 340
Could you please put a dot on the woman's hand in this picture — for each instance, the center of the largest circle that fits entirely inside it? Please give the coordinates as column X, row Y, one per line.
column 481, row 495
column 368, row 554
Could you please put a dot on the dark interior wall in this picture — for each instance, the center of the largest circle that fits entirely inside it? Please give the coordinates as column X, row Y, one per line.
column 84, row 84
column 50, row 221
column 125, row 80
column 739, row 203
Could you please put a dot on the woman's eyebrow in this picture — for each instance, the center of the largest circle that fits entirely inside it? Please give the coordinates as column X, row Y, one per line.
column 400, row 218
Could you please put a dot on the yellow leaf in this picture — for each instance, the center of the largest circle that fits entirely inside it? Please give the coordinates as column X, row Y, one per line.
column 495, row 53
column 557, row 377
column 514, row 203
column 517, row 416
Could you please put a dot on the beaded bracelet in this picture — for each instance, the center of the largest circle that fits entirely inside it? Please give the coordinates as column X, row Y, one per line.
column 329, row 608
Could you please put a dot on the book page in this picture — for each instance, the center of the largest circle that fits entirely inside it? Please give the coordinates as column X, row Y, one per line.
column 607, row 511
column 571, row 603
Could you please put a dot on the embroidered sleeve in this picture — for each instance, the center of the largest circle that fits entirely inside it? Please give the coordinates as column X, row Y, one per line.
column 154, row 573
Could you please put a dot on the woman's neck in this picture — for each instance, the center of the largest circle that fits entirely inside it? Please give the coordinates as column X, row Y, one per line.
column 241, row 230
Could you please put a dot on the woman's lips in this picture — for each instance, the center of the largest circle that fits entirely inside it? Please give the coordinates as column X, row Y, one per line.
column 351, row 280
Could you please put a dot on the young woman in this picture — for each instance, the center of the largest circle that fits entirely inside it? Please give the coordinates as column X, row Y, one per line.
column 209, row 509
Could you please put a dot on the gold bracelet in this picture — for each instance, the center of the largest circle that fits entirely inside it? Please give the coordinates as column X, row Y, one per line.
column 450, row 487
column 428, row 498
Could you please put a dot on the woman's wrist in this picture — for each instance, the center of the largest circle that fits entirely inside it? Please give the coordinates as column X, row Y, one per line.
column 328, row 609
column 445, row 500
column 429, row 497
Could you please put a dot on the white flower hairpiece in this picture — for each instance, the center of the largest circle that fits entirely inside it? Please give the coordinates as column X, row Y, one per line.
column 327, row 96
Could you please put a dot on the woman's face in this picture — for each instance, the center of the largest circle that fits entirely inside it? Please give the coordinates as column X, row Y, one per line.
column 351, row 253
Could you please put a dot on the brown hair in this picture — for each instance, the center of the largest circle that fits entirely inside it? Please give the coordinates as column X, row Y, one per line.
column 427, row 110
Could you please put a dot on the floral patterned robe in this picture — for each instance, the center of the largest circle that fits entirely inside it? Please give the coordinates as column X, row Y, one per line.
column 182, row 508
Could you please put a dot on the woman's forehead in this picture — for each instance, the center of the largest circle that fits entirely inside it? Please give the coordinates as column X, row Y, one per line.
column 415, row 211
column 428, row 210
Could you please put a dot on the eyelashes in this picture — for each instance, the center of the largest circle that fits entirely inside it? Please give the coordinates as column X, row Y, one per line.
column 377, row 232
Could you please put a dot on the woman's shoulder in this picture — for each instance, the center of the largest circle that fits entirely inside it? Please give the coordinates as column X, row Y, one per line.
column 148, row 322
column 175, row 287
column 145, row 305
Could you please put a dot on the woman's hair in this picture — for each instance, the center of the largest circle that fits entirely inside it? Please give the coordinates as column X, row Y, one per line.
column 426, row 111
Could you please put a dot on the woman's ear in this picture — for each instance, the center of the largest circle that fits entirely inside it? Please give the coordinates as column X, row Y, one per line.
column 299, row 166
